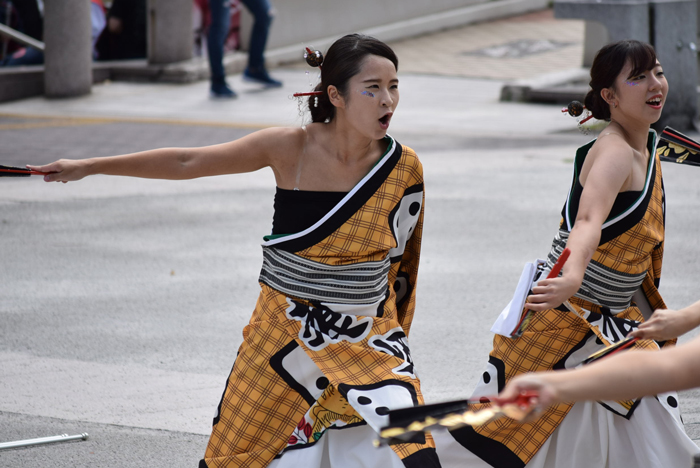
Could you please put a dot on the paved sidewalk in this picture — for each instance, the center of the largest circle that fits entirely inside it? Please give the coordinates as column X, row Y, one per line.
column 123, row 300
column 510, row 49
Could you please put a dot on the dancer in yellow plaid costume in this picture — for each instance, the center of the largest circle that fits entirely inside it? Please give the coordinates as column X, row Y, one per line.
column 631, row 247
column 262, row 413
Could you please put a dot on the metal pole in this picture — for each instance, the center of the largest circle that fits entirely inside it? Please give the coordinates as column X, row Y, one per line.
column 6, row 41
column 21, row 38
column 42, row 440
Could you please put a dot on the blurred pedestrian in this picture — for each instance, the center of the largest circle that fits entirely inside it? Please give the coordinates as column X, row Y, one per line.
column 31, row 22
column 124, row 38
column 218, row 30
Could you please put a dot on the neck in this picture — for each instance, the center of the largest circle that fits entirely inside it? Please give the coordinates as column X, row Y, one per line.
column 348, row 145
column 636, row 133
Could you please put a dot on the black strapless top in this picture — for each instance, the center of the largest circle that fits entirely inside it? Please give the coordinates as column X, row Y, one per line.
column 622, row 202
column 296, row 210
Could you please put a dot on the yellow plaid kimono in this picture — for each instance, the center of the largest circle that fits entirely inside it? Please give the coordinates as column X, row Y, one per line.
column 628, row 258
column 327, row 345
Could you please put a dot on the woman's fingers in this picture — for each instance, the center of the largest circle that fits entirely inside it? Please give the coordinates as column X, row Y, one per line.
column 52, row 169
column 63, row 170
column 641, row 334
column 664, row 324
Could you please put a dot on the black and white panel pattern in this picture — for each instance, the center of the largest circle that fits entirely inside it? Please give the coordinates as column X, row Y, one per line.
column 395, row 343
column 321, row 326
column 403, row 219
column 374, row 401
column 300, row 372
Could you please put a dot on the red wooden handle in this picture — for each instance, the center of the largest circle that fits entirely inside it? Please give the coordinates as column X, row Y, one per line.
column 560, row 264
column 22, row 171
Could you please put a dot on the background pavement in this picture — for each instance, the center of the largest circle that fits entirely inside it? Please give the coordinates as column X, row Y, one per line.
column 123, row 300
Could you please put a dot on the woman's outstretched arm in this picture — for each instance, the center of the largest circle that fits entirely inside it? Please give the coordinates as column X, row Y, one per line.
column 246, row 154
column 607, row 168
column 626, row 375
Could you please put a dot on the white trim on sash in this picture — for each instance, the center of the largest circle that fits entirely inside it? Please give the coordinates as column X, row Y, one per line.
column 647, row 185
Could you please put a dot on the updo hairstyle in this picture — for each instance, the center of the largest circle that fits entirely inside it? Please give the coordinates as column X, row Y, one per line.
column 606, row 67
column 343, row 61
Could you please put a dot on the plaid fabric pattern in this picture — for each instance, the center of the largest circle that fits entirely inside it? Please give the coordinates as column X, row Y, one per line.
column 631, row 251
column 259, row 410
column 552, row 334
column 366, row 236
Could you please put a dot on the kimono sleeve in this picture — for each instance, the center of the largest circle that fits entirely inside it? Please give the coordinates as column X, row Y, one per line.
column 408, row 273
column 406, row 221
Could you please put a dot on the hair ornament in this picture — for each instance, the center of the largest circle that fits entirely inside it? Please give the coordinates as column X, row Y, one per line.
column 313, row 57
column 576, row 109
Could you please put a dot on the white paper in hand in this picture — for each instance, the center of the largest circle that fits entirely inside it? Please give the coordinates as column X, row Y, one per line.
column 510, row 317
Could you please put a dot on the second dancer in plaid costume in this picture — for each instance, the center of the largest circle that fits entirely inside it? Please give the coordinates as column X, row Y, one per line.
column 613, row 223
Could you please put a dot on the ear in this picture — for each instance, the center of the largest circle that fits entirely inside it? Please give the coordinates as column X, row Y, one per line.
column 335, row 97
column 608, row 95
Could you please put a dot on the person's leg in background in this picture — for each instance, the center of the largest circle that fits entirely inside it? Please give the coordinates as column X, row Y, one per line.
column 262, row 14
column 218, row 29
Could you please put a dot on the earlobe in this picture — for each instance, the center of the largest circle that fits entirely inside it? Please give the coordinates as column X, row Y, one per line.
column 335, row 97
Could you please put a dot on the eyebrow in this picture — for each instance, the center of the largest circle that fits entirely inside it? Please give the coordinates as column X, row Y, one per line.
column 373, row 80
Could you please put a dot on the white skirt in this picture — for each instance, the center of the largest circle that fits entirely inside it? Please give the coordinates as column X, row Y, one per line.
column 350, row 447
column 591, row 436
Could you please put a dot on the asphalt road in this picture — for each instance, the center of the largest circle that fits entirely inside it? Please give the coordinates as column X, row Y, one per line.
column 123, row 300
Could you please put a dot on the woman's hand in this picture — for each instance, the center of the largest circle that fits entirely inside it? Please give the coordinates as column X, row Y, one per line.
column 63, row 170
column 665, row 324
column 539, row 383
column 550, row 293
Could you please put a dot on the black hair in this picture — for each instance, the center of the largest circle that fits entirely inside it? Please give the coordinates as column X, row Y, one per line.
column 606, row 67
column 343, row 61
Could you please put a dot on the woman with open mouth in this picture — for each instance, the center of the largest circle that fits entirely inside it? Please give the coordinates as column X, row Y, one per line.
column 613, row 225
column 325, row 355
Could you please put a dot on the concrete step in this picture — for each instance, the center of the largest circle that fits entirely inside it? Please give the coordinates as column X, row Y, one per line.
column 27, row 81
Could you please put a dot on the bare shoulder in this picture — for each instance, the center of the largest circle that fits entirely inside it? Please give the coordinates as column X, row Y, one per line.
column 610, row 141
column 279, row 142
column 610, row 148
column 609, row 162
column 281, row 137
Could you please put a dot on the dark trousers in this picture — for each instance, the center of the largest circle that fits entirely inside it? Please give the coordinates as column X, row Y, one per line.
column 218, row 29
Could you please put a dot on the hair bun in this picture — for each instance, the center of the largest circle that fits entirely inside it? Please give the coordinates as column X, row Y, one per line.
column 597, row 106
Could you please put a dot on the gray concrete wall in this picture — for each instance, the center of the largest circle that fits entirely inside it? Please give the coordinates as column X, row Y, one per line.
column 595, row 36
column 299, row 24
column 674, row 25
column 298, row 21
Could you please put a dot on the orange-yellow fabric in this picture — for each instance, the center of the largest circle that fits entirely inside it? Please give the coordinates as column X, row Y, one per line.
column 260, row 415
